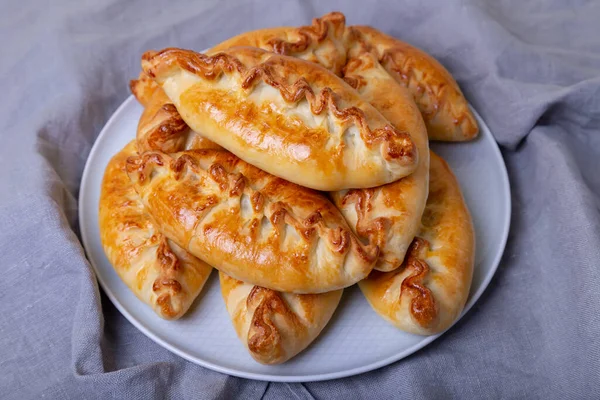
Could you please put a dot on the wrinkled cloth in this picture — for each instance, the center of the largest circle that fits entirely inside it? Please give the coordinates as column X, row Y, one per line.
column 532, row 69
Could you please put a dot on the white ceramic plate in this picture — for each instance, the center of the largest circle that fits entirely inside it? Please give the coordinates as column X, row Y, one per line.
column 356, row 340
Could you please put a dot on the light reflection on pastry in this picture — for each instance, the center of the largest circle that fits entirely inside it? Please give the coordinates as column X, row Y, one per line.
column 249, row 224
column 289, row 117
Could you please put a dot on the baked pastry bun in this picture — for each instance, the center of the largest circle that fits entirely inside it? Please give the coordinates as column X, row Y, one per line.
column 442, row 104
column 289, row 117
column 388, row 216
column 275, row 326
column 429, row 291
column 249, row 224
column 159, row 272
column 321, row 43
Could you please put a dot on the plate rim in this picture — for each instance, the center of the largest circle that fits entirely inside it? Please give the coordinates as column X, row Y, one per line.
column 86, row 241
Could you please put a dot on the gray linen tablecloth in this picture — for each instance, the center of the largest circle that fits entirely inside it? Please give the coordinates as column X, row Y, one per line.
column 531, row 68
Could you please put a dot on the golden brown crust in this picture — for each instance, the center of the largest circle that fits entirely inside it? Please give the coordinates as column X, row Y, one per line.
column 389, row 215
column 162, row 128
column 159, row 272
column 143, row 88
column 428, row 292
column 249, row 224
column 336, row 141
column 276, row 326
column 423, row 308
column 321, row 43
column 326, row 43
column 442, row 104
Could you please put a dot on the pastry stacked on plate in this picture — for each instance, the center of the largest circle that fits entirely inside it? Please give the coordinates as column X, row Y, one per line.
column 296, row 162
